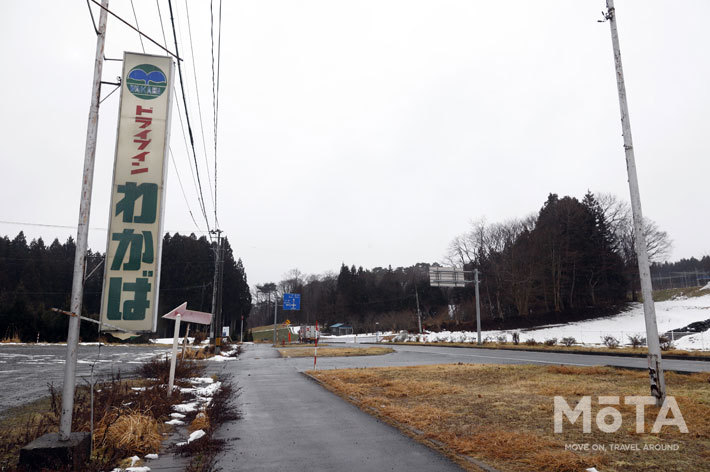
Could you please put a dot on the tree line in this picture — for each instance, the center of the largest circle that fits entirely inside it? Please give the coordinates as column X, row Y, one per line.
column 35, row 277
column 571, row 258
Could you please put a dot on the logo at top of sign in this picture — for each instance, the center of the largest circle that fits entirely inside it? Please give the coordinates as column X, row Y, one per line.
column 146, row 81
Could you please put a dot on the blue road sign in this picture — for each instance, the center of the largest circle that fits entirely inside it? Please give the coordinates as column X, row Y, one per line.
column 292, row 301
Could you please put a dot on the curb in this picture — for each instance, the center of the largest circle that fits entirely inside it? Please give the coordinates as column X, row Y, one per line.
column 409, row 431
column 558, row 351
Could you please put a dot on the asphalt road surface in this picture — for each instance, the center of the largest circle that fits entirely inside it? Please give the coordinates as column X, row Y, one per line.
column 290, row 422
column 27, row 369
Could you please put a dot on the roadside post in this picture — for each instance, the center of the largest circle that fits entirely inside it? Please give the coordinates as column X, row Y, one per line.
column 291, row 302
column 182, row 313
column 453, row 277
column 315, row 351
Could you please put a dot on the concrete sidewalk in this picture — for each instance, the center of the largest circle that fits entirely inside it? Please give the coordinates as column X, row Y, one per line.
column 291, row 423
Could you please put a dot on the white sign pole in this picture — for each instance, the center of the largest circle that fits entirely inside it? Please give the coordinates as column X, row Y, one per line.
column 173, row 357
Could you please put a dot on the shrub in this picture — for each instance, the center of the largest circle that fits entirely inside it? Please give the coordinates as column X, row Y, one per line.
column 531, row 342
column 516, row 338
column 636, row 340
column 610, row 341
column 199, row 337
column 666, row 343
column 502, row 338
column 550, row 342
column 568, row 341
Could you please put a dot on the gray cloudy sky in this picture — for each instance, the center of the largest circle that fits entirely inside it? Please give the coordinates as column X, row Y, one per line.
column 372, row 132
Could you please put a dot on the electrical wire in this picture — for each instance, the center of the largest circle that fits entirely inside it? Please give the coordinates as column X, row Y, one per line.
column 187, row 119
column 215, row 92
column 199, row 104
column 172, row 159
column 137, row 26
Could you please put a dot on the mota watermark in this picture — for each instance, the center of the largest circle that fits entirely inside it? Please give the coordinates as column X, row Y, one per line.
column 609, row 419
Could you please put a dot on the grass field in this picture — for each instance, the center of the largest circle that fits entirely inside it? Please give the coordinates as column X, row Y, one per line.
column 503, row 415
column 334, row 351
column 265, row 334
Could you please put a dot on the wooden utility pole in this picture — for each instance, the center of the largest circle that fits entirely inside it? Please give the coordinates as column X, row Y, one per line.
column 655, row 370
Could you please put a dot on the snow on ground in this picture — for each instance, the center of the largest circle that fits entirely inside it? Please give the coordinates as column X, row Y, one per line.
column 194, row 436
column 670, row 315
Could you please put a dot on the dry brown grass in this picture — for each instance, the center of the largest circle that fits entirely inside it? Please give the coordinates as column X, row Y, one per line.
column 334, row 351
column 135, row 431
column 201, row 421
column 503, row 415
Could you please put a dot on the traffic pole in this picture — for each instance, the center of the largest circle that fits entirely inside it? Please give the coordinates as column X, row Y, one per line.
column 655, row 370
column 77, row 291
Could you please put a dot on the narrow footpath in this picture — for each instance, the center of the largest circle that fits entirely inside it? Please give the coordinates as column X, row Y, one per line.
column 291, row 423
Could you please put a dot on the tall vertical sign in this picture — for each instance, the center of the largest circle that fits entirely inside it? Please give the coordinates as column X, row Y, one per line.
column 134, row 242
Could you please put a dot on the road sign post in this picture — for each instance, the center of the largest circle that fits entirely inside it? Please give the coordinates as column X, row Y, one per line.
column 453, row 277
column 292, row 301
column 191, row 316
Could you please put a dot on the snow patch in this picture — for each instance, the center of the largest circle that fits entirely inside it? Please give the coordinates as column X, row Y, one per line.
column 185, row 407
column 193, row 437
column 670, row 315
column 175, row 422
column 151, row 456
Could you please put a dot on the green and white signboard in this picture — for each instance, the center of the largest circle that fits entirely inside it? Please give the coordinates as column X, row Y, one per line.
column 134, row 242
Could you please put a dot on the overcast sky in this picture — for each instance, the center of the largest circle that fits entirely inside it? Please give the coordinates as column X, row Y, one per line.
column 370, row 132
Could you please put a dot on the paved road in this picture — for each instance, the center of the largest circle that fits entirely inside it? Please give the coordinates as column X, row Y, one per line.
column 416, row 355
column 291, row 422
column 27, row 369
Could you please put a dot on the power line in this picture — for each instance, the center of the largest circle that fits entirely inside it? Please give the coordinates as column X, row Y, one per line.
column 47, row 225
column 137, row 26
column 175, row 55
column 172, row 159
column 215, row 92
column 199, row 104
column 187, row 118
column 187, row 149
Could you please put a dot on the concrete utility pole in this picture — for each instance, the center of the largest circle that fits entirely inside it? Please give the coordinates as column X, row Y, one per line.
column 419, row 313
column 215, row 283
column 77, row 291
column 655, row 370
column 478, row 306
column 276, row 305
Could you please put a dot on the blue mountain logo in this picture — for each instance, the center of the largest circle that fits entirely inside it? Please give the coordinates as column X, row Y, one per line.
column 146, row 81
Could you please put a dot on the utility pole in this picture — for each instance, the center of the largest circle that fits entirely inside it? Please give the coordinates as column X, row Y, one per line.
column 215, row 284
column 655, row 370
column 478, row 306
column 276, row 305
column 419, row 313
column 77, row 291
column 220, row 294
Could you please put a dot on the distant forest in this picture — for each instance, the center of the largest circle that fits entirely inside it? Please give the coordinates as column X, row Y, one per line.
column 572, row 259
column 35, row 277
